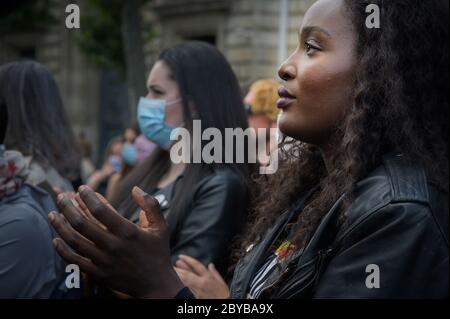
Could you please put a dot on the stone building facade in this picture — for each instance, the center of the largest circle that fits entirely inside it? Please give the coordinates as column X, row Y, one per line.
column 246, row 31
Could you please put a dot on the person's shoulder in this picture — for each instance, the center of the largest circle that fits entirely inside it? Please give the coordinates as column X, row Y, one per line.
column 397, row 179
column 23, row 227
column 26, row 245
column 397, row 189
column 224, row 178
column 24, row 212
column 19, row 220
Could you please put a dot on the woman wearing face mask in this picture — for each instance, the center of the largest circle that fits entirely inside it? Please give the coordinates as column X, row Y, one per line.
column 359, row 208
column 128, row 159
column 204, row 204
column 135, row 149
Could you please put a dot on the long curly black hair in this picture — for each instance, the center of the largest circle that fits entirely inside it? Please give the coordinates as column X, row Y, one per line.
column 400, row 105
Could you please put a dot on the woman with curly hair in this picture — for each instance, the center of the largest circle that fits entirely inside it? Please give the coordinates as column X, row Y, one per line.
column 358, row 208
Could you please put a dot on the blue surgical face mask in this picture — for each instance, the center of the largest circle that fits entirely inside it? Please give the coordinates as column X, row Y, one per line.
column 129, row 154
column 151, row 121
column 115, row 162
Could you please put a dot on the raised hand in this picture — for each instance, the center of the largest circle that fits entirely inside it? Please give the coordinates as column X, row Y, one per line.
column 127, row 258
column 205, row 283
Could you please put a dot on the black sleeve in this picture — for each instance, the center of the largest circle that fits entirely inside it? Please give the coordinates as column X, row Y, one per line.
column 217, row 211
column 404, row 243
column 185, row 294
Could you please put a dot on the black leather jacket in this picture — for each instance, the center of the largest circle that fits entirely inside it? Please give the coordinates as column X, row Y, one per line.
column 214, row 216
column 397, row 221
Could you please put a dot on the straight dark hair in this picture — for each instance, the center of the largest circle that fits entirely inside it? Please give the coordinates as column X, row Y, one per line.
column 210, row 92
column 37, row 123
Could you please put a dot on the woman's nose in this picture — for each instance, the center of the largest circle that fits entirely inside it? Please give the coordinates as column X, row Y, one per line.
column 287, row 71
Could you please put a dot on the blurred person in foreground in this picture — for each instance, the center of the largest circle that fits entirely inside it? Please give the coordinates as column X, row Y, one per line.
column 29, row 267
column 38, row 126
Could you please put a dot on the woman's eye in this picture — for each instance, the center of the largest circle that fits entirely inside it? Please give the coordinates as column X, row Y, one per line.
column 156, row 92
column 309, row 47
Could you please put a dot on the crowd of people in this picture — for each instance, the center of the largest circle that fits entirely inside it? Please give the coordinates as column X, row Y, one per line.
column 363, row 176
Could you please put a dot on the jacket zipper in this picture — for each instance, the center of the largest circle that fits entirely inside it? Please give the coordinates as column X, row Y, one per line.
column 321, row 256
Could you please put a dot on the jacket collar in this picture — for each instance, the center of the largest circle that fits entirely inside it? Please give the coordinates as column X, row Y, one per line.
column 242, row 281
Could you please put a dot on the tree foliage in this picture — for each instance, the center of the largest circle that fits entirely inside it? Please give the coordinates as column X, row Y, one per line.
column 25, row 16
column 100, row 37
